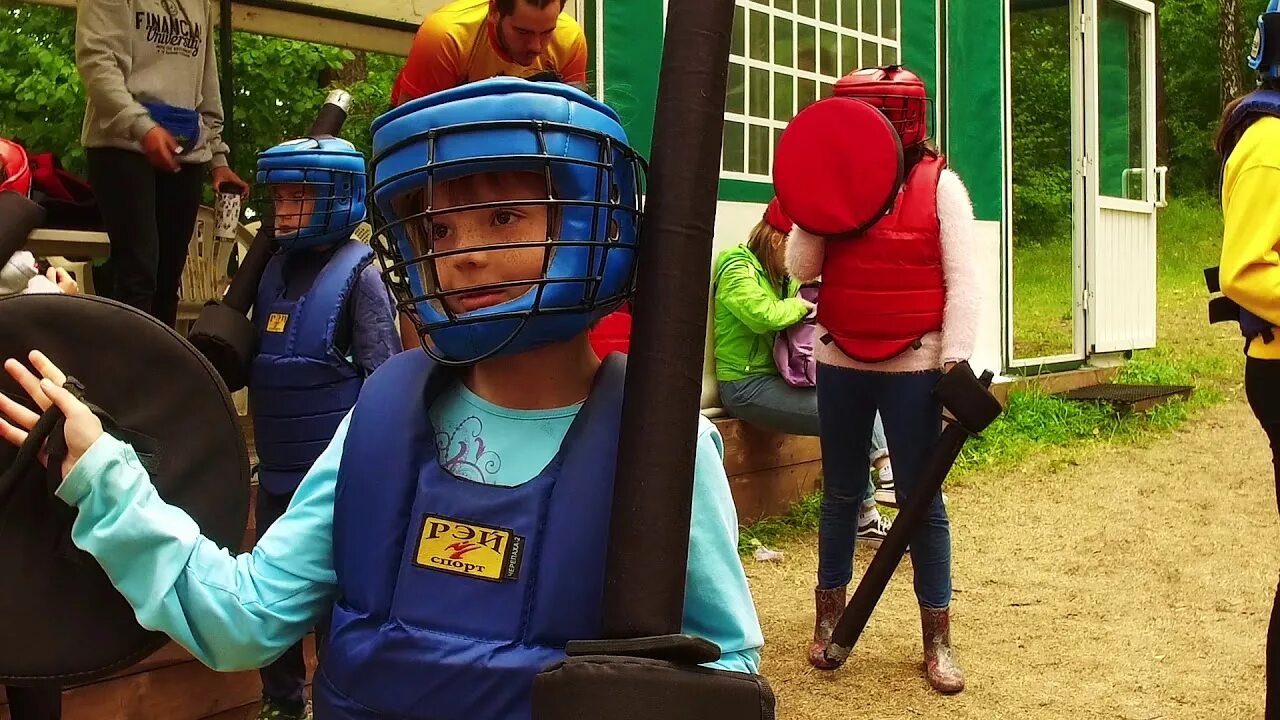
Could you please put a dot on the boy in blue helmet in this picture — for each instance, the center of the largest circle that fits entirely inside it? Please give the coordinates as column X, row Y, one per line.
column 457, row 525
column 325, row 322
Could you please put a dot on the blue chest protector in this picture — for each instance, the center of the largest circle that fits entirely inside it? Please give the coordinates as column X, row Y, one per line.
column 1260, row 103
column 453, row 595
column 300, row 386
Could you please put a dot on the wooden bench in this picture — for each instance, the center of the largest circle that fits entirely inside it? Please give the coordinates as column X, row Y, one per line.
column 168, row 685
column 768, row 472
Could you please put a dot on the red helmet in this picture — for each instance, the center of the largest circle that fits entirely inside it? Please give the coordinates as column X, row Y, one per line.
column 895, row 91
column 775, row 218
column 15, row 169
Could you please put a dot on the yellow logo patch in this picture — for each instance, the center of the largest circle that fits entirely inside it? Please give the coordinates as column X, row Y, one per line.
column 276, row 322
column 462, row 548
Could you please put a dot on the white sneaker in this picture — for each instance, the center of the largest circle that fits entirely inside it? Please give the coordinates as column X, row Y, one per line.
column 873, row 529
column 885, row 492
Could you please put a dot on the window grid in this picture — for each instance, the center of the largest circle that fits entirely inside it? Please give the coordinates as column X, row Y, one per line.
column 854, row 47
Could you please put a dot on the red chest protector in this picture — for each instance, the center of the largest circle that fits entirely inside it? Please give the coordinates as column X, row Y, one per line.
column 884, row 290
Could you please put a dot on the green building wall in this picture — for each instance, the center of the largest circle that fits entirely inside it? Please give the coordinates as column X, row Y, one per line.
column 974, row 55
column 973, row 49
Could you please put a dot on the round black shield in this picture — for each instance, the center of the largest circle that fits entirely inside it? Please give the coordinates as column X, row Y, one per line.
column 63, row 620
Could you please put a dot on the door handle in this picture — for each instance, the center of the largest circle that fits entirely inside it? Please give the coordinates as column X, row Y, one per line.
column 1162, row 186
column 1126, row 177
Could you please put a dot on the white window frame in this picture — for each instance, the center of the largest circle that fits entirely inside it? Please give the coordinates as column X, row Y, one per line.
column 796, row 19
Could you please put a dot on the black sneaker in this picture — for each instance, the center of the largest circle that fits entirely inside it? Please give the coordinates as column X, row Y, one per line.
column 874, row 530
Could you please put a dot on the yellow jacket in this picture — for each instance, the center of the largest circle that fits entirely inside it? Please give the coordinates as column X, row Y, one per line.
column 1250, row 266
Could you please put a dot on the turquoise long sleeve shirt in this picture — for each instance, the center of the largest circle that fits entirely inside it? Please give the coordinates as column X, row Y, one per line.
column 236, row 612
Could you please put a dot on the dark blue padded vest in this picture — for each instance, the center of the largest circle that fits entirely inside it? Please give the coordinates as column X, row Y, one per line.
column 452, row 594
column 300, row 386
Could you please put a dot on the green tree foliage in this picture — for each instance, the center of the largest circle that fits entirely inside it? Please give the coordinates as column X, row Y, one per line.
column 279, row 86
column 1041, row 91
column 43, row 98
column 1192, row 77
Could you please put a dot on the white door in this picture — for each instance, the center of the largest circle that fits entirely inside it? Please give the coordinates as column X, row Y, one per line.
column 1123, row 186
column 1044, row 228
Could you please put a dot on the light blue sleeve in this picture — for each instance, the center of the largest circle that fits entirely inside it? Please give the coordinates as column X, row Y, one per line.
column 717, row 601
column 231, row 612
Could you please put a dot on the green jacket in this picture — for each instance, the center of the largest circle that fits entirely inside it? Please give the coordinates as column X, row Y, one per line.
column 749, row 312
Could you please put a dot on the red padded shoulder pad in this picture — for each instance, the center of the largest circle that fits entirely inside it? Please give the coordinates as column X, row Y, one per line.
column 838, row 167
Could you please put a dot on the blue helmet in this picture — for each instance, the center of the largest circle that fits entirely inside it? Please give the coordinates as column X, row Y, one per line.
column 329, row 175
column 1264, row 56
column 571, row 149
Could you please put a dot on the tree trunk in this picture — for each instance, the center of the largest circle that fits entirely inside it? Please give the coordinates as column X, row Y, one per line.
column 1230, row 58
column 1162, row 128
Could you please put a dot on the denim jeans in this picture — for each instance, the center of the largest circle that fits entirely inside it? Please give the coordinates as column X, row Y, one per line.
column 848, row 400
column 767, row 401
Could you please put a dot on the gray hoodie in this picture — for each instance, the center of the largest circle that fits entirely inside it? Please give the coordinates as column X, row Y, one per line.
column 134, row 51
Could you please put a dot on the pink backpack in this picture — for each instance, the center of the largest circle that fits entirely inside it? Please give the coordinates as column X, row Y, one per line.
column 793, row 347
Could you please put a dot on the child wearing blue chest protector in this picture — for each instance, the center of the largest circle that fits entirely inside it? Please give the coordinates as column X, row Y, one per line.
column 457, row 525
column 325, row 323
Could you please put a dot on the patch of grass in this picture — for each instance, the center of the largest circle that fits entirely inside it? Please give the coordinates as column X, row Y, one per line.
column 1205, row 373
column 1035, row 421
column 1042, row 299
column 1206, row 356
column 1031, row 420
column 1190, row 240
column 1190, row 234
column 771, row 532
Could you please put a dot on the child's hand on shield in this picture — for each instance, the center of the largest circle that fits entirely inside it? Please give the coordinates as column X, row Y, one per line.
column 82, row 428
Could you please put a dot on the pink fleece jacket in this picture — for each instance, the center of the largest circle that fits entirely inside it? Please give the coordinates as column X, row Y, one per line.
column 960, row 274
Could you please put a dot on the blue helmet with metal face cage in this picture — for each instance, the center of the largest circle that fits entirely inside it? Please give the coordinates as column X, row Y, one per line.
column 592, row 185
column 328, row 174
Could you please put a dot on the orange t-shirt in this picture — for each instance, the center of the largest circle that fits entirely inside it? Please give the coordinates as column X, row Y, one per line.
column 457, row 44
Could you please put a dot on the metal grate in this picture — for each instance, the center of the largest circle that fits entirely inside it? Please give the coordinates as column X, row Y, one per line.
column 1128, row 398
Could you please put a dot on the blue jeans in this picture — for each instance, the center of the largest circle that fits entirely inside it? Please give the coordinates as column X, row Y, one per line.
column 848, row 400
column 767, row 401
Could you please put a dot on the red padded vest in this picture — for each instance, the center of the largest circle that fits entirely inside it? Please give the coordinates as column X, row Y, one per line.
column 884, row 290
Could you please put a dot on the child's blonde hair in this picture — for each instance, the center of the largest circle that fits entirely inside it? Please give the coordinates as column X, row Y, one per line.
column 768, row 244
